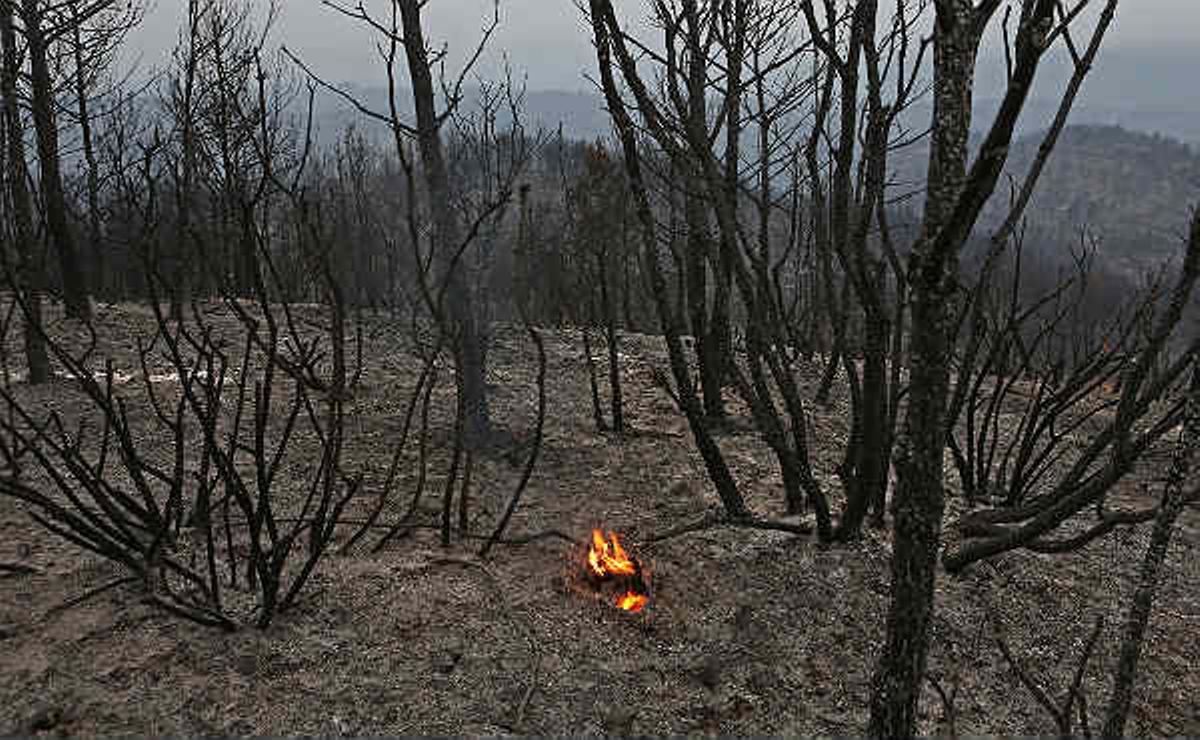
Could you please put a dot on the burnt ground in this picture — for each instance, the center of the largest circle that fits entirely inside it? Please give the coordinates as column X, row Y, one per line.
column 748, row 632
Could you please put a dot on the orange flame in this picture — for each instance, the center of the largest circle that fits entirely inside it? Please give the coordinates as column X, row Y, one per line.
column 609, row 558
column 632, row 602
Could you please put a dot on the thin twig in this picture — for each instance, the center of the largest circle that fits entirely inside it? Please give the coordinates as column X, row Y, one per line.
column 87, row 595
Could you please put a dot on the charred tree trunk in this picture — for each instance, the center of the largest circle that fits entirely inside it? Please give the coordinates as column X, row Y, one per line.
column 182, row 252
column 696, row 264
column 719, row 343
column 920, row 498
column 467, row 333
column 609, row 306
column 718, row 471
column 869, row 456
column 954, row 199
column 28, row 272
column 707, row 333
column 76, row 298
column 837, row 308
column 593, row 380
column 94, row 224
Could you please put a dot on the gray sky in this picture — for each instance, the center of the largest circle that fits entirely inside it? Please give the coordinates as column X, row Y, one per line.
column 547, row 40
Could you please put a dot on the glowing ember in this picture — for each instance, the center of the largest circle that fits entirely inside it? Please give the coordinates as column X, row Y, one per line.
column 632, row 602
column 608, row 561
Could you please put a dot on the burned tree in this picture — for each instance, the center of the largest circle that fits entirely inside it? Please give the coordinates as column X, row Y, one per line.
column 194, row 510
column 956, row 190
column 42, row 27
column 443, row 223
column 26, row 276
column 404, row 34
column 93, row 43
column 181, row 100
column 1127, row 427
column 955, row 194
column 848, row 206
column 687, row 139
column 597, row 200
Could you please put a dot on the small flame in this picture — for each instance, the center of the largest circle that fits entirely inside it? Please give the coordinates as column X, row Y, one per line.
column 632, row 602
column 609, row 558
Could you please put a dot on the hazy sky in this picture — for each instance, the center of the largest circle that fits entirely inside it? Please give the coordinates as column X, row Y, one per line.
column 547, row 39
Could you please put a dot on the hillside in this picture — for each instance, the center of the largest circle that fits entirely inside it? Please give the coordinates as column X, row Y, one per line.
column 1131, row 190
column 748, row 632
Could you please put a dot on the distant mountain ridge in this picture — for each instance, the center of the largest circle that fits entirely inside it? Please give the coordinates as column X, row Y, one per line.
column 1132, row 191
column 583, row 116
column 1130, row 188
